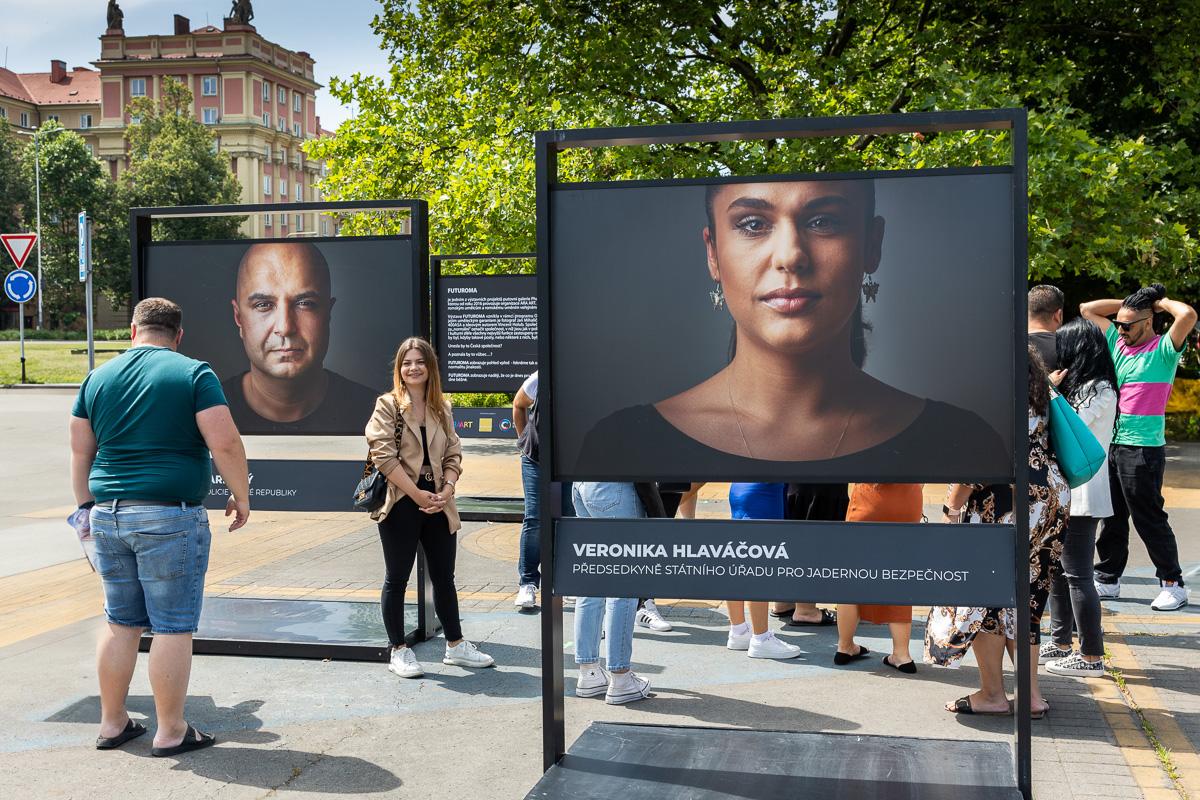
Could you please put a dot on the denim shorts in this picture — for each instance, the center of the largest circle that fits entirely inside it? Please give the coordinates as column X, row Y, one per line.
column 152, row 561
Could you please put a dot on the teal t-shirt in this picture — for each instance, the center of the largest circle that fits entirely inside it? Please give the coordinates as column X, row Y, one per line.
column 142, row 406
column 1145, row 375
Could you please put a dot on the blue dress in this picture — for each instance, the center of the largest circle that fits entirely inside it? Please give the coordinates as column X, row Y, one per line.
column 757, row 500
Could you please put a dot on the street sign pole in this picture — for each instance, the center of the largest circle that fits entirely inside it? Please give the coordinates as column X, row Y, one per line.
column 21, row 326
column 20, row 287
column 85, row 275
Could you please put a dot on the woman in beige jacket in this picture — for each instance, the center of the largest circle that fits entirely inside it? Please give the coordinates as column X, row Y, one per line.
column 413, row 444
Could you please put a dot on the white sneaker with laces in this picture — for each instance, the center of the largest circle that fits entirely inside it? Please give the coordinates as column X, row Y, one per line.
column 1108, row 591
column 648, row 616
column 526, row 596
column 626, row 687
column 1050, row 651
column 403, row 662
column 465, row 654
column 1172, row 598
column 738, row 641
column 1075, row 664
column 772, row 647
column 593, row 680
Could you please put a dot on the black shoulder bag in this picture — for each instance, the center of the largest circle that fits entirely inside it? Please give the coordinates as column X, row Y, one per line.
column 371, row 492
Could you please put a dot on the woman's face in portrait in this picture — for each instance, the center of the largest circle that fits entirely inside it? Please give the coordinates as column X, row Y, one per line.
column 412, row 368
column 791, row 258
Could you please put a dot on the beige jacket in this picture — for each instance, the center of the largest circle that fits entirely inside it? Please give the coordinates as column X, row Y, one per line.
column 445, row 451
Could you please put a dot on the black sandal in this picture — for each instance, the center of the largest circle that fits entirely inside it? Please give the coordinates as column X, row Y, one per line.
column 783, row 614
column 827, row 618
column 908, row 667
column 132, row 731
column 842, row 659
column 192, row 740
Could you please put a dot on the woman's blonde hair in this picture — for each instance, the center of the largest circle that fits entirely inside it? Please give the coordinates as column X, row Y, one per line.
column 435, row 401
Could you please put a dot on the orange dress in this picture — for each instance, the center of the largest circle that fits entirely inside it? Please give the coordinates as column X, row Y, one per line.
column 885, row 502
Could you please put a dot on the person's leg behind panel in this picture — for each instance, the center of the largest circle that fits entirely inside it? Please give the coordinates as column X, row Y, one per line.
column 1146, row 503
column 528, row 566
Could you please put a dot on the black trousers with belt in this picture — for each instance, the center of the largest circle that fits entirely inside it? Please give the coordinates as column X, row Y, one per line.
column 405, row 527
column 1136, row 479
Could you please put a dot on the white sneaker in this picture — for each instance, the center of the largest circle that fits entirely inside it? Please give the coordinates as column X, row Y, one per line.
column 1172, row 598
column 403, row 662
column 648, row 617
column 465, row 654
column 738, row 641
column 1074, row 664
column 593, row 680
column 1050, row 651
column 526, row 596
column 772, row 647
column 1108, row 591
column 626, row 687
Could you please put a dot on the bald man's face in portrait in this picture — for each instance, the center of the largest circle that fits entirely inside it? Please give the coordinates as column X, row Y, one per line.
column 282, row 309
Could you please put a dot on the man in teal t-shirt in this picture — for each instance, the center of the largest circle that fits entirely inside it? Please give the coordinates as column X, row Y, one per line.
column 142, row 428
column 1145, row 364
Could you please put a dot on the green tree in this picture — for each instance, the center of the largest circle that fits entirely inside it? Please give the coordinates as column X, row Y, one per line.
column 173, row 161
column 72, row 180
column 1112, row 96
column 14, row 189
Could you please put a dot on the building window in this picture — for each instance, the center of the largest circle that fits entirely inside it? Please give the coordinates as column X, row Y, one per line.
column 90, row 148
column 210, row 116
column 267, row 185
column 137, row 87
column 3, row 112
column 52, row 118
column 299, row 193
column 135, row 119
column 283, row 188
column 283, row 220
column 299, row 222
column 24, row 119
column 267, row 220
column 282, row 93
column 85, row 120
column 281, row 124
column 268, row 151
column 324, row 227
column 297, row 102
column 296, row 129
column 267, row 118
column 266, row 91
column 208, row 86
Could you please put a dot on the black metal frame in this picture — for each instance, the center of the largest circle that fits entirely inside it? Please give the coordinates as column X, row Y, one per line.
column 141, row 223
column 547, row 146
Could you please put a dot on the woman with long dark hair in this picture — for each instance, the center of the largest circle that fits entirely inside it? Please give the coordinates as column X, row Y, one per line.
column 413, row 444
column 952, row 631
column 1088, row 380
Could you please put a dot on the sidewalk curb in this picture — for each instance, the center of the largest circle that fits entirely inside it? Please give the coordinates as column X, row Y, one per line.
column 39, row 385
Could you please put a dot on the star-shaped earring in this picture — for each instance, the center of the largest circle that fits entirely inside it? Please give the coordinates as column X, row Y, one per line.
column 870, row 290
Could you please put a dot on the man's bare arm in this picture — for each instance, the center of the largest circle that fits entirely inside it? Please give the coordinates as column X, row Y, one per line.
column 83, row 453
column 1099, row 311
column 225, row 443
column 522, row 402
column 1185, row 318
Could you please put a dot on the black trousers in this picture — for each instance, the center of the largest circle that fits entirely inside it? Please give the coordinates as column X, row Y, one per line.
column 1136, row 477
column 400, row 532
column 1074, row 602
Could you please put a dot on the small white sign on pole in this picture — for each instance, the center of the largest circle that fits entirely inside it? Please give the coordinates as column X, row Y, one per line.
column 85, row 247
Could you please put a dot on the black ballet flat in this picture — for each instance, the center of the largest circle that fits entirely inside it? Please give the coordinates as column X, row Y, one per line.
column 842, row 659
column 908, row 667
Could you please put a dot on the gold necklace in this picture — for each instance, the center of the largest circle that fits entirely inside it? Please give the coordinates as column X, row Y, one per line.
column 738, row 421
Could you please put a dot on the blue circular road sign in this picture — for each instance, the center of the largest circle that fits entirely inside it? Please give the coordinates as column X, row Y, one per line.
column 20, row 285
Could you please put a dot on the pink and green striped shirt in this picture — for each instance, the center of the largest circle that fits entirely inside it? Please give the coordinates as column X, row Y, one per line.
column 1145, row 375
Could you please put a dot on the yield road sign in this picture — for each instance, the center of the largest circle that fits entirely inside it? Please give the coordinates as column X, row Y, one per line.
column 19, row 246
column 20, row 286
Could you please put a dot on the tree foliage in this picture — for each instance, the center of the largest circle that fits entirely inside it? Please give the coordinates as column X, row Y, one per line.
column 14, row 189
column 1111, row 91
column 173, row 161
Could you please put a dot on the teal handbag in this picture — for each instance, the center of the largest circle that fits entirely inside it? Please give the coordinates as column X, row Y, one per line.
column 1080, row 455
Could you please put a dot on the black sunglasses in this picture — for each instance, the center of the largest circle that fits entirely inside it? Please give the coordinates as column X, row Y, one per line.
column 1125, row 326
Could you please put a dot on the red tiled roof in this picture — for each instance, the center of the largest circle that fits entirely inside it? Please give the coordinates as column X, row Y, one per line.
column 10, row 86
column 207, row 29
column 81, row 86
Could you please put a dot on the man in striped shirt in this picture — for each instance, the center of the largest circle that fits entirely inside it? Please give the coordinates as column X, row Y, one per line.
column 1146, row 364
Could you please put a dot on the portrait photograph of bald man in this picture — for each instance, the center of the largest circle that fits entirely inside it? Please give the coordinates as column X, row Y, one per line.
column 298, row 331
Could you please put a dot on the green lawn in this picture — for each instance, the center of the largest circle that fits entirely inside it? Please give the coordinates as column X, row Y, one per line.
column 52, row 362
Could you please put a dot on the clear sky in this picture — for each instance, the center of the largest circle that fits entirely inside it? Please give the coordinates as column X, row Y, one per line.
column 336, row 33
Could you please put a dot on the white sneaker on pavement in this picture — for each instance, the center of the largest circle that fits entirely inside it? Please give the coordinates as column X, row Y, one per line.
column 1075, row 664
column 403, row 662
column 526, row 596
column 1172, row 598
column 1050, row 651
column 772, row 647
column 465, row 654
column 593, row 680
column 626, row 687
column 738, row 641
column 648, row 616
column 1108, row 591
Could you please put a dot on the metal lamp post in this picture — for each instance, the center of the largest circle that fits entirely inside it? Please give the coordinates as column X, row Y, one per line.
column 37, row 187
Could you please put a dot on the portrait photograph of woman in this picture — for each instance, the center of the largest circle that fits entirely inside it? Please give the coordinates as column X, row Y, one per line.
column 775, row 328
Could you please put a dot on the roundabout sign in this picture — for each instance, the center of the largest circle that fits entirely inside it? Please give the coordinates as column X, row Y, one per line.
column 20, row 286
